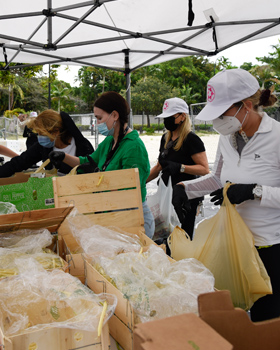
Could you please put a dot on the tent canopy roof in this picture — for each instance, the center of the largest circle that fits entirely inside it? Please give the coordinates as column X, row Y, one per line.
column 127, row 34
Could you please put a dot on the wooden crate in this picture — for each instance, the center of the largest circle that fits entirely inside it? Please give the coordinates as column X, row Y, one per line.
column 57, row 339
column 50, row 219
column 110, row 198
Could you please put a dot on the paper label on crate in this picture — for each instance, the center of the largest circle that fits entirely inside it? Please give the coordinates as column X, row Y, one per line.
column 49, row 201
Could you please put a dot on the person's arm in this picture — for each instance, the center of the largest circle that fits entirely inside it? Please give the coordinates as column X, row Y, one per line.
column 207, row 183
column 22, row 162
column 201, row 166
column 154, row 172
column 71, row 160
column 7, row 152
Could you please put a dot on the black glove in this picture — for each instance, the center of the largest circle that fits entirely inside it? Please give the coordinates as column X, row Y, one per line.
column 90, row 167
column 236, row 193
column 180, row 202
column 171, row 168
column 56, row 157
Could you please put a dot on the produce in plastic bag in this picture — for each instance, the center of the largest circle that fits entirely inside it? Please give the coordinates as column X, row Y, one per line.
column 27, row 241
column 7, row 208
column 155, row 286
column 27, row 244
column 163, row 211
column 225, row 245
column 46, row 258
column 37, row 299
column 99, row 240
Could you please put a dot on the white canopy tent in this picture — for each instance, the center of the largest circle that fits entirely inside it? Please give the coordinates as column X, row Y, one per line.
column 124, row 35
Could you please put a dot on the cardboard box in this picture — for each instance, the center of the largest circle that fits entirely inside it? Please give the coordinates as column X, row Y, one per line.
column 58, row 339
column 36, row 193
column 182, row 332
column 234, row 324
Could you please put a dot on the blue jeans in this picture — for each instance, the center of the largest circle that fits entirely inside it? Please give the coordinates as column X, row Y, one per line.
column 149, row 221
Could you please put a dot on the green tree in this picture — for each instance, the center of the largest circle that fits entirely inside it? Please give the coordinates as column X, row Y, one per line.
column 148, row 95
column 60, row 94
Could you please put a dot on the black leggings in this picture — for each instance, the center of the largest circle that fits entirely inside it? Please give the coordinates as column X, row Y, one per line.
column 268, row 306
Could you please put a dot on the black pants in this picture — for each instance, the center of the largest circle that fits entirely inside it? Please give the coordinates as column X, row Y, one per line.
column 268, row 306
column 188, row 224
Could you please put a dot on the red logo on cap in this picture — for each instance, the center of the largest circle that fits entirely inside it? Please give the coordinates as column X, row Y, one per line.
column 210, row 93
column 166, row 105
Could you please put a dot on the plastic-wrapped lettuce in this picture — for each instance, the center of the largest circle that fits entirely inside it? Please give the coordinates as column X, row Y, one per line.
column 155, row 286
column 37, row 299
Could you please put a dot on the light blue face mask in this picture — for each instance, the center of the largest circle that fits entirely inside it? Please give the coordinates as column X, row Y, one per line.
column 45, row 141
column 103, row 129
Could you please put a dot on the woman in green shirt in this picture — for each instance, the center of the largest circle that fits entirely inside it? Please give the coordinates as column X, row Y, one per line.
column 121, row 149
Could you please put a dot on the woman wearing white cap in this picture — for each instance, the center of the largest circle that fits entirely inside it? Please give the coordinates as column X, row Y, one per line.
column 181, row 155
column 248, row 155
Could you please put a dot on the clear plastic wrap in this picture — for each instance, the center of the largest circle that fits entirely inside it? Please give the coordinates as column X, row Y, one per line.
column 46, row 258
column 27, row 241
column 97, row 240
column 37, row 299
column 7, row 208
column 155, row 286
column 27, row 244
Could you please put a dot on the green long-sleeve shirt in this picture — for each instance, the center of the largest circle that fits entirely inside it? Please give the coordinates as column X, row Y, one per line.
column 131, row 153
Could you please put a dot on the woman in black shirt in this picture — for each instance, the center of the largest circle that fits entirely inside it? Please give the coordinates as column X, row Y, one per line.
column 181, row 155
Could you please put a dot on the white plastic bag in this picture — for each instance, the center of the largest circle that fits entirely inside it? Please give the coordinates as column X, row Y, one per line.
column 163, row 211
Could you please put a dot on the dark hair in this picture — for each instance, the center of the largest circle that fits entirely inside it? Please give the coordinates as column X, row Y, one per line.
column 112, row 101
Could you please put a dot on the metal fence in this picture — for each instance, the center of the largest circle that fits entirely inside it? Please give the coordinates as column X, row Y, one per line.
column 87, row 125
column 9, row 128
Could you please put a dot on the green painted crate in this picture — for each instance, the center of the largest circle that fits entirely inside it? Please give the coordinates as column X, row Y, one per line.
column 36, row 193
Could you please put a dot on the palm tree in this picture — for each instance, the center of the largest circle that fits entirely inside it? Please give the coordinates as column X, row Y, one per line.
column 60, row 94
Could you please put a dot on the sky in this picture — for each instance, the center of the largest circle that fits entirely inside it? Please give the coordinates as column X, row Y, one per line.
column 237, row 55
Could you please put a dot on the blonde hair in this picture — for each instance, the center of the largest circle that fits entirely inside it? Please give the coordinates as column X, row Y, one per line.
column 184, row 129
column 47, row 123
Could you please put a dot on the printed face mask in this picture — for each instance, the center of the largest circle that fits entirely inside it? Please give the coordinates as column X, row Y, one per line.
column 45, row 141
column 226, row 125
column 103, row 129
column 169, row 123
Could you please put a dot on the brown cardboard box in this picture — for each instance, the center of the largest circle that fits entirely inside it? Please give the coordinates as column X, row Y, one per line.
column 183, row 332
column 233, row 324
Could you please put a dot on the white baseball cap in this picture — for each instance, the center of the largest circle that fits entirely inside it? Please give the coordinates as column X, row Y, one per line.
column 173, row 106
column 33, row 114
column 226, row 88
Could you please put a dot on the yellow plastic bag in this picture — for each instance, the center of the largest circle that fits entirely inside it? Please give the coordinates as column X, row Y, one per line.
column 225, row 245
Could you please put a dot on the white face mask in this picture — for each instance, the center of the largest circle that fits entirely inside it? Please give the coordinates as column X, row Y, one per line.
column 226, row 125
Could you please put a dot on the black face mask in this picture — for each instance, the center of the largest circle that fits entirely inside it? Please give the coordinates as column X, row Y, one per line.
column 169, row 123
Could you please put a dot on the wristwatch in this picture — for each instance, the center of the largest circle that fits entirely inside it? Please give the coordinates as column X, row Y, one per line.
column 182, row 170
column 257, row 192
